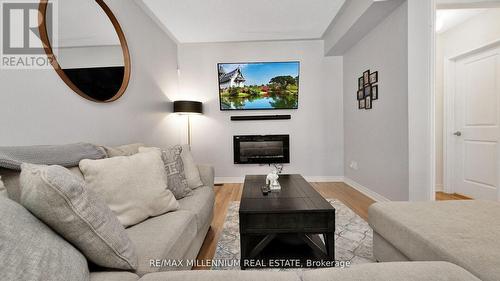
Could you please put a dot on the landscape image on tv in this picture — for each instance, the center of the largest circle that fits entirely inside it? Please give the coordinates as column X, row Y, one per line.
column 259, row 86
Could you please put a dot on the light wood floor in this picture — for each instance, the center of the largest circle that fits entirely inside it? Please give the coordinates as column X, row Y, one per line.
column 227, row 193
column 441, row 196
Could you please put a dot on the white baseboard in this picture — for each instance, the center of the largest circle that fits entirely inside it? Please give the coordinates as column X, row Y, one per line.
column 439, row 188
column 365, row 190
column 220, row 180
column 324, row 178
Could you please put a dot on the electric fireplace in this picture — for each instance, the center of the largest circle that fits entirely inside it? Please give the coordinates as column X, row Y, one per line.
column 257, row 149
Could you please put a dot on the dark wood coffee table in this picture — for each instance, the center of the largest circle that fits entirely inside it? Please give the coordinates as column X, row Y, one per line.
column 284, row 229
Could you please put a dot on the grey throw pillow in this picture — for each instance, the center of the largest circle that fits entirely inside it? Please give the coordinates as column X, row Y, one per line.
column 30, row 250
column 174, row 167
column 60, row 199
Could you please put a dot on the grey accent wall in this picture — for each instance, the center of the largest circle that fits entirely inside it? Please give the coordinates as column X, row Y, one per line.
column 36, row 107
column 377, row 139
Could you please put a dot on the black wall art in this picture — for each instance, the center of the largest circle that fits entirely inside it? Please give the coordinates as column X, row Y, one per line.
column 367, row 89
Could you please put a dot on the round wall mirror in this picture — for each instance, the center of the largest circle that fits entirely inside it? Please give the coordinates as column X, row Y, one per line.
column 87, row 47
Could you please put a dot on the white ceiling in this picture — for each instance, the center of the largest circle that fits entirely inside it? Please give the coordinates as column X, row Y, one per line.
column 195, row 21
column 447, row 19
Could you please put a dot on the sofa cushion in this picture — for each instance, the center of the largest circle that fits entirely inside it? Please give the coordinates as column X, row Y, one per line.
column 174, row 168
column 190, row 168
column 407, row 271
column 162, row 238
column 223, row 275
column 30, row 250
column 461, row 232
column 61, row 200
column 113, row 276
column 134, row 187
column 201, row 204
column 122, row 150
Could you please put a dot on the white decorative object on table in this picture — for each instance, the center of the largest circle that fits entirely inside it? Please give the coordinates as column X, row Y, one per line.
column 272, row 181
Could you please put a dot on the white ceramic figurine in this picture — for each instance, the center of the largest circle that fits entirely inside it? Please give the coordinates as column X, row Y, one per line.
column 272, row 181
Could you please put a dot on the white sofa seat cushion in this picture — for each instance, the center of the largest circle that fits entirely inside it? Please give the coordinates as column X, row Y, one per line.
column 113, row 276
column 223, row 275
column 389, row 271
column 465, row 233
column 201, row 204
column 166, row 237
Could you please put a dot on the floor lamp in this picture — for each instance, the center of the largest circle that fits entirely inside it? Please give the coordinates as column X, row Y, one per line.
column 188, row 108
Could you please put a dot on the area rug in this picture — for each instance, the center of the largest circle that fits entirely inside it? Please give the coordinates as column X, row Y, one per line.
column 353, row 237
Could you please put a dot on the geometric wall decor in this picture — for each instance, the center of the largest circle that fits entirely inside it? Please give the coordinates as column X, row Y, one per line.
column 367, row 89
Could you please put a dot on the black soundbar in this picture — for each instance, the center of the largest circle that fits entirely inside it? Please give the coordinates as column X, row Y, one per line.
column 261, row 117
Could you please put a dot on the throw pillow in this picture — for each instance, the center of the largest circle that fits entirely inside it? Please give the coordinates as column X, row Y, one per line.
column 3, row 191
column 134, row 187
column 122, row 150
column 174, row 167
column 190, row 168
column 30, row 250
column 59, row 198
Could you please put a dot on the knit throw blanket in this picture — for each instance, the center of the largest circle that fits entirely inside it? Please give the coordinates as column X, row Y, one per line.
column 68, row 155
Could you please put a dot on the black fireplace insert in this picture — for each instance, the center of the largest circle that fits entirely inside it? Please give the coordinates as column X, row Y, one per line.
column 255, row 149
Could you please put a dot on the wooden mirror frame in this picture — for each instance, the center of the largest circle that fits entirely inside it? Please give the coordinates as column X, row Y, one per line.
column 53, row 60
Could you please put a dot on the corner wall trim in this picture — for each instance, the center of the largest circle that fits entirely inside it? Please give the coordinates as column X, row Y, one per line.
column 365, row 190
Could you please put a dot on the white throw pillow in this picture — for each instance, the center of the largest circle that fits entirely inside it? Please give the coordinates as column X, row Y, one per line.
column 190, row 168
column 134, row 187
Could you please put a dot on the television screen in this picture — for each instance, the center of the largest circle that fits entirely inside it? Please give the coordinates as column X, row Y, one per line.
column 259, row 86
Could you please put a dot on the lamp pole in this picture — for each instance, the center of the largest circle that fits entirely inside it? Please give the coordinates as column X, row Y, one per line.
column 189, row 131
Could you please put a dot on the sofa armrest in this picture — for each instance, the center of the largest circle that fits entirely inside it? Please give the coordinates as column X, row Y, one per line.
column 207, row 174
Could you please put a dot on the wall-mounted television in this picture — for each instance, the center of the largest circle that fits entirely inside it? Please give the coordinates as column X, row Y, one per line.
column 259, row 85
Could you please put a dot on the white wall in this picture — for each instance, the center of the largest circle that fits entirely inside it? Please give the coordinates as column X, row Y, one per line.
column 36, row 107
column 377, row 139
column 316, row 136
column 472, row 34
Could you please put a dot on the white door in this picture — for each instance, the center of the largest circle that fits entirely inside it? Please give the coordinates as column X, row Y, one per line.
column 476, row 125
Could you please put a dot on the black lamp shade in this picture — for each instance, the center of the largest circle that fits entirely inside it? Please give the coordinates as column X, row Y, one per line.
column 188, row 107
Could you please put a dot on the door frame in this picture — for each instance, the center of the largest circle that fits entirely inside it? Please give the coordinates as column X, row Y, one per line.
column 449, row 114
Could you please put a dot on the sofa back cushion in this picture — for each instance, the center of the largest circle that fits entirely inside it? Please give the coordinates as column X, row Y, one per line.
column 122, row 150
column 134, row 187
column 61, row 200
column 30, row 250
